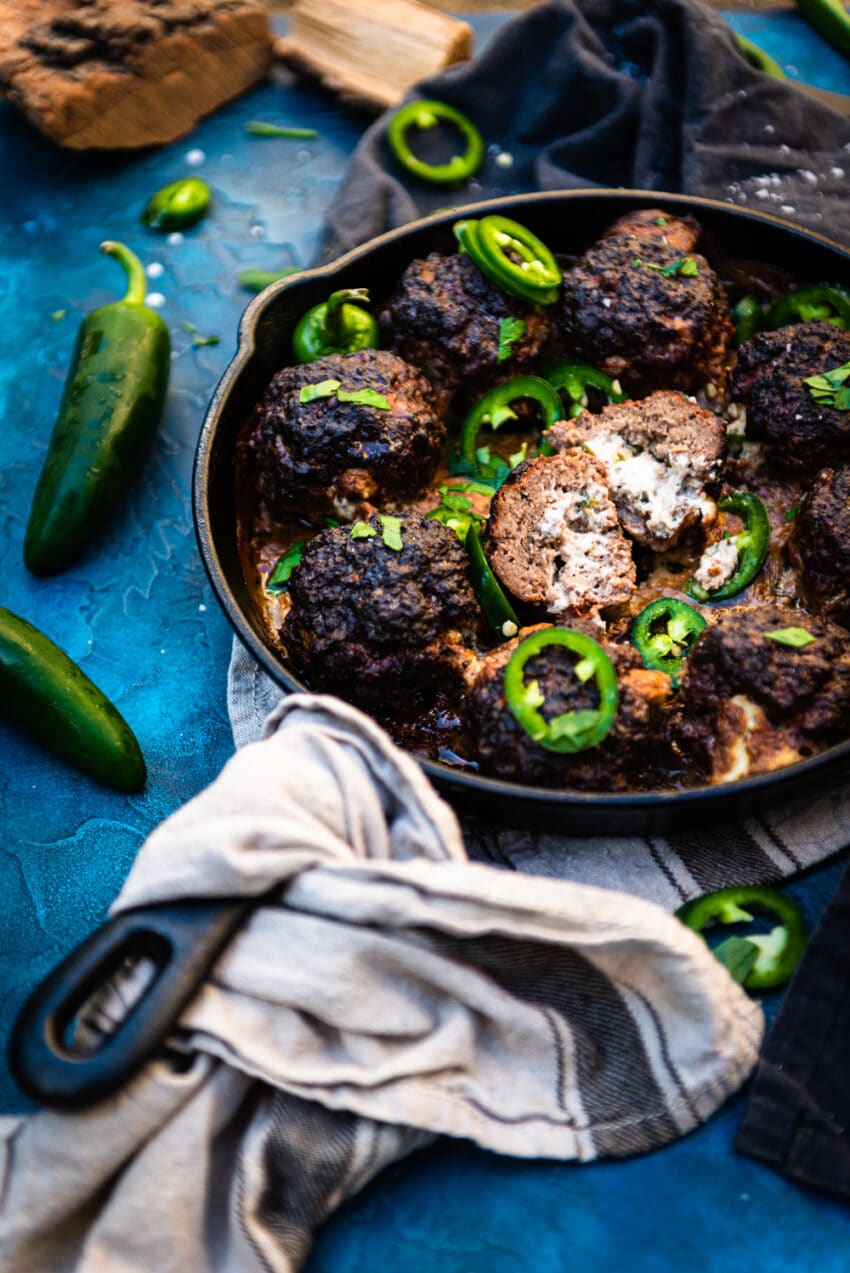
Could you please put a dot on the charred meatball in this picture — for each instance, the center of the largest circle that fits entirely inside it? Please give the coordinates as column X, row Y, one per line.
column 681, row 233
column 750, row 704
column 820, row 547
column 659, row 454
column 553, row 538
column 627, row 308
column 445, row 317
column 802, row 435
column 378, row 624
column 637, row 738
column 315, row 454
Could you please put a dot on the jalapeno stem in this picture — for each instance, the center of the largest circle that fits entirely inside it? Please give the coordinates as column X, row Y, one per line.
column 136, row 281
column 336, row 326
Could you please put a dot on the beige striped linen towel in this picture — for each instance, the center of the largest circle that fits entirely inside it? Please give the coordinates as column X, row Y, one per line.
column 385, row 990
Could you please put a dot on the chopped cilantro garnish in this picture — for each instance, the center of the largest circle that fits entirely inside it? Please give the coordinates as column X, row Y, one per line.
column 362, row 530
column 687, row 267
column 455, row 508
column 660, row 220
column 324, row 389
column 797, row 638
column 331, row 522
column 363, row 398
column 391, row 531
column 58, row 315
column 792, row 512
column 830, row 388
column 278, row 580
column 510, row 331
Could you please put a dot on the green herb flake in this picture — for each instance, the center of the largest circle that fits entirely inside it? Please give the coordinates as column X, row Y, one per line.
column 792, row 512
column 363, row 398
column 362, row 530
column 324, row 389
column 331, row 522
column 278, row 580
column 660, row 221
column 455, row 508
column 738, row 956
column 687, row 267
column 200, row 341
column 518, row 456
column 830, row 388
column 574, row 725
column 391, row 531
column 510, row 331
column 58, row 315
column 637, row 263
column 259, row 128
column 796, row 638
column 259, row 280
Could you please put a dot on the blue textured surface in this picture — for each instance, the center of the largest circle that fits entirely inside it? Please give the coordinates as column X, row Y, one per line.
column 139, row 615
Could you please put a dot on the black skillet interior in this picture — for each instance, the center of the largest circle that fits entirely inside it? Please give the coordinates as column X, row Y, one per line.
column 569, row 221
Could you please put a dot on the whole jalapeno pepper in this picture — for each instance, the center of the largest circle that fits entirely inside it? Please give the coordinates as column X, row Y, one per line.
column 513, row 257
column 569, row 732
column 423, row 115
column 807, row 305
column 664, row 633
column 178, row 205
column 337, row 326
column 110, row 409
column 751, row 543
column 759, row 961
column 494, row 409
column 575, row 378
column 748, row 317
column 49, row 696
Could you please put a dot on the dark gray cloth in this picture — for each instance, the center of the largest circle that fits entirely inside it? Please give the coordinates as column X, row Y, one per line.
column 646, row 94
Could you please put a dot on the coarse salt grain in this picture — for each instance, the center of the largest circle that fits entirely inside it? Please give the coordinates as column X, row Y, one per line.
column 155, row 269
column 156, row 300
column 195, row 157
column 174, row 239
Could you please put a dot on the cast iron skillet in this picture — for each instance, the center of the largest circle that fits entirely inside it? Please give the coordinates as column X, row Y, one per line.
column 567, row 221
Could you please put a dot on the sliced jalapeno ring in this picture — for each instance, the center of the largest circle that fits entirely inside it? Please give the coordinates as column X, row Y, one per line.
column 494, row 242
column 178, row 205
column 575, row 378
column 807, row 305
column 338, row 325
column 428, row 114
column 752, row 544
column 568, row 732
column 664, row 633
column 488, row 590
column 777, row 953
column 494, row 409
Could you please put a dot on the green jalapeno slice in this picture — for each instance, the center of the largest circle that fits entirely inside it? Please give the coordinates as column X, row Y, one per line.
column 664, row 634
column 757, row 57
column 178, row 205
column 513, row 257
column 575, row 378
column 428, row 114
column 494, row 409
column 760, row 960
column 749, row 317
column 809, row 305
column 831, row 21
column 751, row 543
column 569, row 732
column 337, row 326
column 491, row 597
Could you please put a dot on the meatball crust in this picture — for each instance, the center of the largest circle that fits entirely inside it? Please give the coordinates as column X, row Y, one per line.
column 637, row 738
column 620, row 312
column 820, row 546
column 314, row 455
column 659, row 454
column 750, row 704
column 801, row 435
column 553, row 538
column 444, row 317
column 681, row 233
column 379, row 625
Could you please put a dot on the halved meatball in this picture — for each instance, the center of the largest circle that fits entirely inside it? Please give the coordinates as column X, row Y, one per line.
column 627, row 309
column 445, row 317
column 553, row 538
column 820, row 545
column 802, row 435
column 378, row 624
column 636, row 741
column 324, row 453
column 750, row 704
column 659, row 454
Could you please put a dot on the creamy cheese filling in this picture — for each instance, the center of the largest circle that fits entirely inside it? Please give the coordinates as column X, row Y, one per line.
column 717, row 564
column 661, row 495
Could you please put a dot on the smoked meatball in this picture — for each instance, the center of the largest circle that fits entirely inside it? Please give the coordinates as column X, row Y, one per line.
column 627, row 308
column 820, row 547
column 325, row 453
column 378, row 624
column 801, row 435
column 750, row 703
column 636, row 740
column 445, row 317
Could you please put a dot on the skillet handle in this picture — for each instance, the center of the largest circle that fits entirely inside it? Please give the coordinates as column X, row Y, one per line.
column 181, row 939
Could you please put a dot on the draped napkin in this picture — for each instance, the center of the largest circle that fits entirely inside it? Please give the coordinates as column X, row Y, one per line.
column 385, row 989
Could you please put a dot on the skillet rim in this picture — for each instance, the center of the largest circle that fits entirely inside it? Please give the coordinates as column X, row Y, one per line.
column 606, row 812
